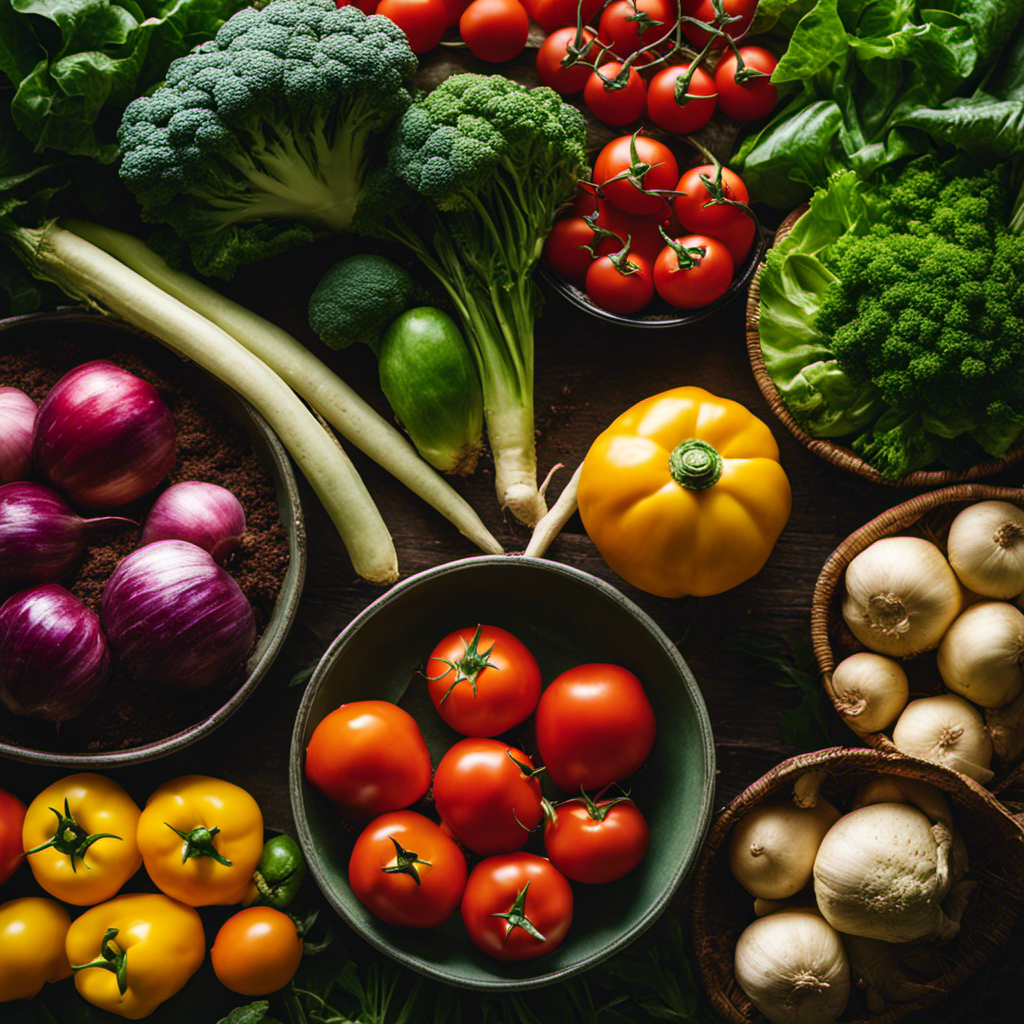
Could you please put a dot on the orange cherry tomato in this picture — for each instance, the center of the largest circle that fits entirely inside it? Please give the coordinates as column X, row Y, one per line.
column 257, row 951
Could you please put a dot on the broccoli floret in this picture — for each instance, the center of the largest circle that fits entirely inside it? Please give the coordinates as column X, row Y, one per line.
column 357, row 298
column 264, row 134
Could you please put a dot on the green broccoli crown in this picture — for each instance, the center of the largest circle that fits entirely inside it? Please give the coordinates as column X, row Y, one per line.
column 260, row 135
column 357, row 298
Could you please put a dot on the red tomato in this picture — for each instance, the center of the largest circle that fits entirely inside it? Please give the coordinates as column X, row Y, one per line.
column 750, row 99
column 596, row 842
column 366, row 6
column 517, row 906
column 494, row 30
column 585, row 201
column 483, row 681
column 484, row 798
column 619, row 291
column 454, row 9
column 628, row 25
column 642, row 230
column 407, row 871
column 697, row 210
column 565, row 252
column 705, row 11
column 615, row 105
column 368, row 757
column 554, row 49
column 654, row 168
column 594, row 727
column 552, row 14
column 422, row 21
column 257, row 951
column 12, row 817
column 701, row 282
column 671, row 115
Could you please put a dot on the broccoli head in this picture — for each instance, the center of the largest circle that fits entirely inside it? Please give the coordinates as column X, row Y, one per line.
column 357, row 298
column 263, row 135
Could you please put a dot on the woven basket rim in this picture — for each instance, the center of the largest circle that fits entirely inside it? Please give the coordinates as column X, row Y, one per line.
column 833, row 453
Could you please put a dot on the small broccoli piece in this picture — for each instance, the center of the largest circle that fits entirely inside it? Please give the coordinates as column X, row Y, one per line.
column 357, row 298
column 264, row 134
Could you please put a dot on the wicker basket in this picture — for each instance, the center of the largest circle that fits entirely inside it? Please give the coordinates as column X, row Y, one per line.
column 929, row 516
column 837, row 454
column 720, row 908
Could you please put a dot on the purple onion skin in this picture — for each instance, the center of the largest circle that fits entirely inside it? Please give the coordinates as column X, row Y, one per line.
column 103, row 436
column 54, row 659
column 174, row 617
column 41, row 537
column 17, row 418
column 206, row 515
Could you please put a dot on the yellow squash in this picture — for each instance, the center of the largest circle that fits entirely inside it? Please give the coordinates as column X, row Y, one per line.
column 32, row 933
column 683, row 494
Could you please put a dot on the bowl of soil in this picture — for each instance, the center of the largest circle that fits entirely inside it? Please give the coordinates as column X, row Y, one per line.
column 221, row 439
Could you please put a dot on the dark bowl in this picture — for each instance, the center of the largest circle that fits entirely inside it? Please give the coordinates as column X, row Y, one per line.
column 269, row 451
column 566, row 617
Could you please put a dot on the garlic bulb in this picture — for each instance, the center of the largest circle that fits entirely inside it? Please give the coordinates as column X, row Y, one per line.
column 882, row 872
column 980, row 656
column 986, row 548
column 870, row 691
column 793, row 968
column 901, row 596
column 1006, row 727
column 947, row 730
column 894, row 789
column 891, row 973
column 772, row 849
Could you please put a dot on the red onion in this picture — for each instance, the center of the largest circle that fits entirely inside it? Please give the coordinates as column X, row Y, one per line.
column 17, row 417
column 103, row 436
column 40, row 536
column 175, row 617
column 53, row 656
column 203, row 514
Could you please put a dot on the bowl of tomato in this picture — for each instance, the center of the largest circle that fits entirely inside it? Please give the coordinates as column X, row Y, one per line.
column 381, row 777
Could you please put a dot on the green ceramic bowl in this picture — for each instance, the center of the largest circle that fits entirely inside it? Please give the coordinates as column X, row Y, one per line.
column 566, row 618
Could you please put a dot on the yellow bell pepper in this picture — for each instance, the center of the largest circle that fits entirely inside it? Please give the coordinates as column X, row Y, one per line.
column 201, row 839
column 134, row 952
column 684, row 494
column 79, row 838
column 32, row 933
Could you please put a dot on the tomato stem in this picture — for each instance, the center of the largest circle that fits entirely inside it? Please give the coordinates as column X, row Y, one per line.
column 695, row 464
column 405, row 862
column 199, row 843
column 516, row 917
column 70, row 838
column 112, row 958
column 469, row 666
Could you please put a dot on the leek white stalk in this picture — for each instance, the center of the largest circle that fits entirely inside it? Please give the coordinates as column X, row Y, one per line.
column 986, row 548
column 870, row 691
column 563, row 509
column 981, row 655
column 947, row 730
column 89, row 274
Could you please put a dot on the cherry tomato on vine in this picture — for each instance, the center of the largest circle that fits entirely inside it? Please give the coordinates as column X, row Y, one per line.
column 368, row 757
column 694, row 275
column 697, row 210
column 752, row 98
column 596, row 842
column 628, row 25
column 554, row 49
column 486, row 795
column 483, row 680
column 594, row 726
column 494, row 30
column 641, row 229
column 649, row 166
column 611, row 103
column 517, row 906
column 422, row 21
column 12, row 818
column 705, row 11
column 257, row 951
column 407, row 871
column 565, row 252
column 626, row 290
column 552, row 14
column 667, row 112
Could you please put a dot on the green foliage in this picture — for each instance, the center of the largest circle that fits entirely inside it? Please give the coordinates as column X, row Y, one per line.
column 264, row 135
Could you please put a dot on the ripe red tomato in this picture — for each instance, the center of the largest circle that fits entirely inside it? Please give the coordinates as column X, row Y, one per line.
column 611, row 104
column 654, row 168
column 368, row 757
column 594, row 726
column 565, row 252
column 620, row 291
column 12, row 817
column 697, row 283
column 422, row 21
column 697, row 211
column 454, row 9
column 484, row 798
column 552, row 14
column 705, row 11
column 554, row 49
column 752, row 98
column 407, row 871
column 368, row 7
column 517, row 906
column 667, row 113
column 483, row 681
column 628, row 25
column 494, row 30
column 257, row 951
column 596, row 842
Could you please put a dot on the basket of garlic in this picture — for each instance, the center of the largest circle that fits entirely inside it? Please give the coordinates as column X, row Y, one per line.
column 918, row 631
column 852, row 885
